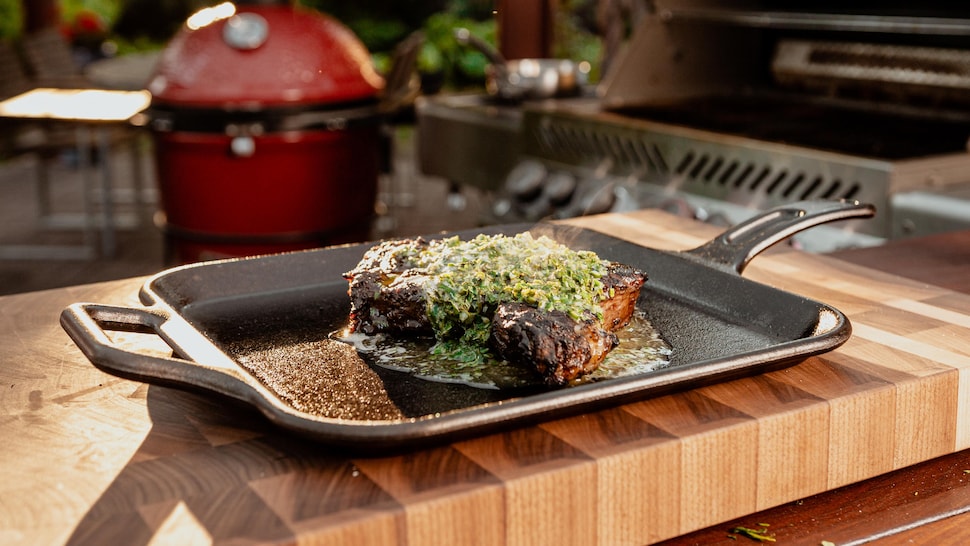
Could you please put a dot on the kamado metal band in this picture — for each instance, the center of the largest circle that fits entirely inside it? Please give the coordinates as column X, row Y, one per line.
column 234, row 121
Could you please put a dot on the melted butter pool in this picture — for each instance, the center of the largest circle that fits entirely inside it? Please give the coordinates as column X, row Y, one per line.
column 641, row 350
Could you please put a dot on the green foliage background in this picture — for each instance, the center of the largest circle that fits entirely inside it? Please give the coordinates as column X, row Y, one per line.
column 380, row 24
column 10, row 18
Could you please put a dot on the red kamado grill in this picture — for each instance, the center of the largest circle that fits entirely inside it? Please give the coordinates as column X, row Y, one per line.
column 267, row 132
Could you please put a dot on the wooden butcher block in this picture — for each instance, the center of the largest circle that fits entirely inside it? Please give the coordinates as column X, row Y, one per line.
column 101, row 458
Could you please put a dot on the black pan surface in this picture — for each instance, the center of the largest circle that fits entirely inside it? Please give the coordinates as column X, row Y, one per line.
column 258, row 329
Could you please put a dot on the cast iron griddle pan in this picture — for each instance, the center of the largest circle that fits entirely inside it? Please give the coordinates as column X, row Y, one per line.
column 256, row 330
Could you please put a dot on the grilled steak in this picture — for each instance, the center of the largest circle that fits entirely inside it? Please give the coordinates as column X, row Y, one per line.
column 393, row 287
column 387, row 290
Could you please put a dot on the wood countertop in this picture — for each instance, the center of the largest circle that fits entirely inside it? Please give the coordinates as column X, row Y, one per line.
column 93, row 459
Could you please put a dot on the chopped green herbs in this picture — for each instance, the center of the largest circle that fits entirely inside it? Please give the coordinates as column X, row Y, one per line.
column 469, row 279
column 760, row 534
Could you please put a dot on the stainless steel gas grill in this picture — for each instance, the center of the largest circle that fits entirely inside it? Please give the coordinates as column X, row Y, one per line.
column 721, row 109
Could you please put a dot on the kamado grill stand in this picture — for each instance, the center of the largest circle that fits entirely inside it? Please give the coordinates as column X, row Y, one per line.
column 267, row 133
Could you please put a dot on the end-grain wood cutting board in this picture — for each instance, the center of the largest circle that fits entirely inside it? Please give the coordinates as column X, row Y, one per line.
column 895, row 394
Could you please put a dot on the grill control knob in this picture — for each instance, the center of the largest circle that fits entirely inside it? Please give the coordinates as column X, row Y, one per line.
column 525, row 180
column 599, row 200
column 560, row 187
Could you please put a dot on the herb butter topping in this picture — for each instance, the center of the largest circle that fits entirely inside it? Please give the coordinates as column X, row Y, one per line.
column 469, row 279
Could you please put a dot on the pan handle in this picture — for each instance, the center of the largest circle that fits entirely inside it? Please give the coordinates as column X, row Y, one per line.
column 87, row 324
column 738, row 245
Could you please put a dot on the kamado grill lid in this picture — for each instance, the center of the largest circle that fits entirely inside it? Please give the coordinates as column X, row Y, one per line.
column 263, row 55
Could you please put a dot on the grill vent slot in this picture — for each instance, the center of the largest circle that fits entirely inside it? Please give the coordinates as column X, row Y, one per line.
column 725, row 177
column 695, row 171
column 852, row 192
column 739, row 181
column 715, row 167
column 812, row 187
column 776, row 182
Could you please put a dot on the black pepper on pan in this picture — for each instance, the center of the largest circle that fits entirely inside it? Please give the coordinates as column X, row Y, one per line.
column 322, row 377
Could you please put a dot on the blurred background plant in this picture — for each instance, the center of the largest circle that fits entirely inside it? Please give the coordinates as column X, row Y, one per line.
column 443, row 62
column 116, row 27
column 576, row 34
column 381, row 24
column 11, row 19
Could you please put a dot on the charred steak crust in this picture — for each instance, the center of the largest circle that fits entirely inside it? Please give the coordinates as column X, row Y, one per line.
column 621, row 289
column 386, row 293
column 397, row 307
column 389, row 294
column 557, row 346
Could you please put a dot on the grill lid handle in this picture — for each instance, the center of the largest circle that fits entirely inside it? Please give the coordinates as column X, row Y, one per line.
column 733, row 249
column 246, row 31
